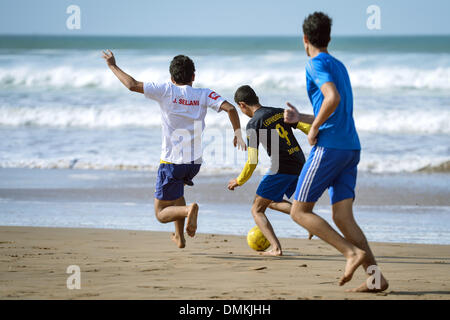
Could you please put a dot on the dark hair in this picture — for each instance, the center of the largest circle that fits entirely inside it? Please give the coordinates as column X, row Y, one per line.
column 182, row 69
column 317, row 28
column 247, row 95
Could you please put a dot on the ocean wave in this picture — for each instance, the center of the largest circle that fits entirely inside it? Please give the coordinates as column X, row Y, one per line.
column 79, row 117
column 371, row 165
column 92, row 165
column 142, row 115
column 92, row 117
column 405, row 163
column 401, row 78
column 222, row 77
column 441, row 167
column 413, row 121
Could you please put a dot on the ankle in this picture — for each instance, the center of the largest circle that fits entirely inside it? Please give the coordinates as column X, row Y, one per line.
column 276, row 249
column 351, row 253
column 188, row 208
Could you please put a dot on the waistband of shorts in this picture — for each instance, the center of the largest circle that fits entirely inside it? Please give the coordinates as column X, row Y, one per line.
column 198, row 161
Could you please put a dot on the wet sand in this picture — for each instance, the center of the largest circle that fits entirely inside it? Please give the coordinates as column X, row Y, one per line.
column 418, row 189
column 121, row 264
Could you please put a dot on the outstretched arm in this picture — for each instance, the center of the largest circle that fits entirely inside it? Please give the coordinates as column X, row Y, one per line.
column 127, row 80
column 234, row 119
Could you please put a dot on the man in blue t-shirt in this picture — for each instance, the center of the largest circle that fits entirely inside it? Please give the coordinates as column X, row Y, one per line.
column 332, row 163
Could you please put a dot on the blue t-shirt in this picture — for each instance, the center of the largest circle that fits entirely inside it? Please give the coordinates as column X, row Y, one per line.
column 338, row 131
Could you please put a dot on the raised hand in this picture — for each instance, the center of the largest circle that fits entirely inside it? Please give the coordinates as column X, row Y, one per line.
column 109, row 57
column 291, row 115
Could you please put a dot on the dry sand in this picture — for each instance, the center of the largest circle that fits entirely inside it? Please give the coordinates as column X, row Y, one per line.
column 121, row 264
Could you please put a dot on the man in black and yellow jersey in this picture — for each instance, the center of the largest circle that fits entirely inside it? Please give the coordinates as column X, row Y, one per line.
column 267, row 127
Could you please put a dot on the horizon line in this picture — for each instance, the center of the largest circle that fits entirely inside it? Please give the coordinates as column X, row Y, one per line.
column 212, row 35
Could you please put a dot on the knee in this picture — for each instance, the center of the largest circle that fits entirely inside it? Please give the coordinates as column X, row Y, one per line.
column 338, row 219
column 256, row 211
column 297, row 215
column 159, row 216
column 342, row 220
column 294, row 215
column 272, row 206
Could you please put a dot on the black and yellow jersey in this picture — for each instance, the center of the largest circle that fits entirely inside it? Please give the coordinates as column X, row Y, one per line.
column 267, row 127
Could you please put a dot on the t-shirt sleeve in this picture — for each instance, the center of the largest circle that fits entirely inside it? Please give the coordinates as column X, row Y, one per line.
column 155, row 91
column 252, row 159
column 319, row 72
column 213, row 100
column 252, row 136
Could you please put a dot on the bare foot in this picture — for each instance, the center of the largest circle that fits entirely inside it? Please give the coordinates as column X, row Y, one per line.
column 353, row 262
column 273, row 252
column 191, row 221
column 180, row 241
column 364, row 288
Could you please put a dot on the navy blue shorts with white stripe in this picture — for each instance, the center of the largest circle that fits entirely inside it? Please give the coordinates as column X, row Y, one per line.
column 334, row 169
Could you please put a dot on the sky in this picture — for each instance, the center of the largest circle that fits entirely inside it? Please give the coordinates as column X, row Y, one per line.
column 221, row 18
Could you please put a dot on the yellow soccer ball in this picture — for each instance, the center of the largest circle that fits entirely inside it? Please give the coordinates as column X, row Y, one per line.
column 256, row 239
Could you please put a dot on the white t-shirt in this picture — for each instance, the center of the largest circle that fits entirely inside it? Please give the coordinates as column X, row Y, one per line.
column 183, row 111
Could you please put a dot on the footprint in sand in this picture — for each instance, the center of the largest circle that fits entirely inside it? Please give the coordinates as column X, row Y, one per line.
column 259, row 268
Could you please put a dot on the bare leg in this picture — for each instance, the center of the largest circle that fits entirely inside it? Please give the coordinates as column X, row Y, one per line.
column 191, row 221
column 345, row 221
column 178, row 236
column 168, row 211
column 285, row 207
column 177, row 211
column 260, row 205
column 302, row 214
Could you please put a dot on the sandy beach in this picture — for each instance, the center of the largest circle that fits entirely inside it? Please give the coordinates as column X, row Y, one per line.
column 121, row 264
column 103, row 222
column 93, row 97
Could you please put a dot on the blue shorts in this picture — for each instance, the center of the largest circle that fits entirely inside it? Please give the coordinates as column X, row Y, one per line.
column 334, row 169
column 172, row 178
column 275, row 186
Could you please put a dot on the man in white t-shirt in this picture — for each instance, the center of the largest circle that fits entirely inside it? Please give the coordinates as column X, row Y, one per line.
column 183, row 111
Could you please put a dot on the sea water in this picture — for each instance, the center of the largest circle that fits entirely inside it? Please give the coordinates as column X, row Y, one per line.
column 62, row 108
column 120, row 199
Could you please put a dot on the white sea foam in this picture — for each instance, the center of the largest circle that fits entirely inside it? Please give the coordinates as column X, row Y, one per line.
column 423, row 121
column 105, row 116
column 221, row 77
column 426, row 121
column 54, row 107
column 369, row 163
column 394, row 164
column 82, row 117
